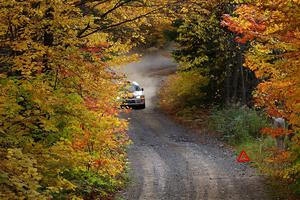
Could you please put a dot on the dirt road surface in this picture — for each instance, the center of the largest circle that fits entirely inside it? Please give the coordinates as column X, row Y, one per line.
column 169, row 161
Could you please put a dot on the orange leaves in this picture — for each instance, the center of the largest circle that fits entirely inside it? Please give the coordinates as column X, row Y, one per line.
column 100, row 163
column 291, row 36
column 79, row 144
column 91, row 103
column 81, row 141
column 97, row 48
column 257, row 27
column 244, row 39
column 248, row 27
column 274, row 54
column 231, row 24
column 279, row 157
column 272, row 96
column 275, row 132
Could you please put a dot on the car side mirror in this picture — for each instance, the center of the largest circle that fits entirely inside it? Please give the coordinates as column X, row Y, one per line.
column 142, row 89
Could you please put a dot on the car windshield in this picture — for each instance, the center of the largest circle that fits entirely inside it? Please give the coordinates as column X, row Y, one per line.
column 133, row 88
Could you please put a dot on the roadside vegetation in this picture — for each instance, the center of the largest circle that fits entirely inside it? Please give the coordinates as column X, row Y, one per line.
column 237, row 124
column 245, row 56
column 183, row 90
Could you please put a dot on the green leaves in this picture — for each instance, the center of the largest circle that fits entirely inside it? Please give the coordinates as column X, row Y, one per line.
column 237, row 124
column 210, row 49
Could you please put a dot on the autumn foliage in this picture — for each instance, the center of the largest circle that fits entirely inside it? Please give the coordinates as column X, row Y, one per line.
column 60, row 135
column 272, row 30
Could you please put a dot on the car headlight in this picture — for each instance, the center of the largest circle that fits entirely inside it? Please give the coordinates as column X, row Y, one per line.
column 140, row 97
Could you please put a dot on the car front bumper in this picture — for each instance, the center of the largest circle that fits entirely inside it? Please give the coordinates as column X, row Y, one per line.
column 134, row 102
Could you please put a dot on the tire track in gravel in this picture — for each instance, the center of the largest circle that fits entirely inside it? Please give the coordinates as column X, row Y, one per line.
column 154, row 175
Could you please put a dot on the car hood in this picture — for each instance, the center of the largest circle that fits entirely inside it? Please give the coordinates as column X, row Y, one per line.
column 130, row 95
column 138, row 93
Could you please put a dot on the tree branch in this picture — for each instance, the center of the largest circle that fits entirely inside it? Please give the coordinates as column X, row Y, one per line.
column 120, row 23
column 99, row 3
column 83, row 30
column 118, row 5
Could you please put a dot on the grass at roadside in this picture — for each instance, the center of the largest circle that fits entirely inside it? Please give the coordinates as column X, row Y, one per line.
column 257, row 150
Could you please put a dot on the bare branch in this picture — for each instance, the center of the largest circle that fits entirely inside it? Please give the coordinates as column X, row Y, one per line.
column 120, row 23
column 118, row 5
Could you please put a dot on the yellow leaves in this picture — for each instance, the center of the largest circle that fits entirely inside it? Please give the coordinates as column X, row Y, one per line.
column 97, row 38
column 42, row 92
column 22, row 174
column 177, row 89
column 292, row 173
column 63, row 184
column 21, row 46
column 184, row 10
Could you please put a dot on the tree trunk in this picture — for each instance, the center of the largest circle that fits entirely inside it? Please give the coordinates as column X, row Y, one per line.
column 227, row 89
column 48, row 37
column 279, row 123
column 235, row 84
column 243, row 88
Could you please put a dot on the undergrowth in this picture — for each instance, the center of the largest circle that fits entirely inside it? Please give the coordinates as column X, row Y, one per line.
column 237, row 124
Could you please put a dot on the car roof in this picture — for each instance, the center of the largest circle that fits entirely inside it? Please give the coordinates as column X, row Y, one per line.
column 134, row 83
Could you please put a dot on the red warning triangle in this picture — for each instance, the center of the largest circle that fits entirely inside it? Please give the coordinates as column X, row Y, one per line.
column 243, row 157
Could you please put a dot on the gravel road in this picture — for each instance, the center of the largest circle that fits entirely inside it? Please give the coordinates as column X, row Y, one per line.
column 169, row 161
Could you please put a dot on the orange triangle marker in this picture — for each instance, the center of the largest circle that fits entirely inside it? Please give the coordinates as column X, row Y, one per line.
column 243, row 157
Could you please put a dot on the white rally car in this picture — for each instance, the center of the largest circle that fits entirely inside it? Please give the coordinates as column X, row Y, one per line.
column 133, row 95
